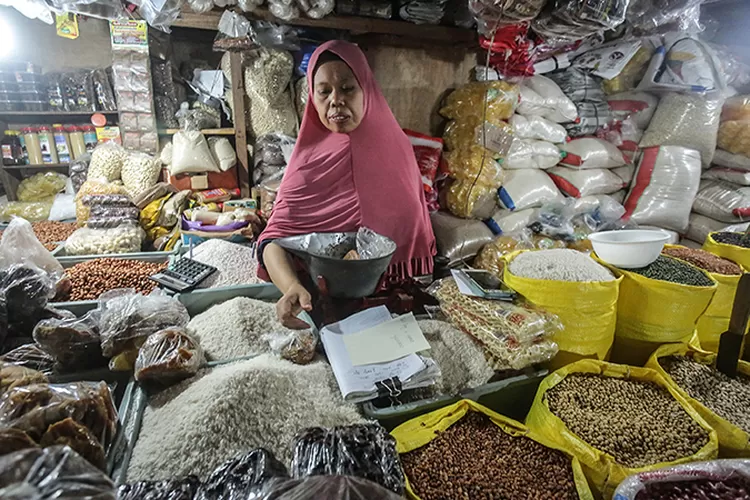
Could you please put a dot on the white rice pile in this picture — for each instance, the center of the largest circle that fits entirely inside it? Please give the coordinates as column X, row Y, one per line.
column 461, row 358
column 235, row 328
column 235, row 264
column 559, row 265
column 194, row 426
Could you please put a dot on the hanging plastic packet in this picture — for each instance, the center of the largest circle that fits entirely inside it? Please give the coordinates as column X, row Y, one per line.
column 159, row 14
column 609, row 60
column 235, row 33
column 683, row 63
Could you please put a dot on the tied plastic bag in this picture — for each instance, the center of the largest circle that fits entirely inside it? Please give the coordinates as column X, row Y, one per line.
column 665, row 186
column 723, row 201
column 191, row 154
column 126, row 237
column 168, row 356
column 527, row 188
column 223, row 152
column 589, row 152
column 19, row 245
column 516, row 335
column 34, row 408
column 30, row 356
column 54, row 472
column 529, row 153
column 41, row 186
column 128, row 318
column 140, row 171
column 647, row 16
column 698, row 478
column 491, row 258
column 33, row 211
column 73, row 343
column 603, row 472
column 734, row 136
column 297, row 347
column 328, row 487
column 579, row 183
column 12, row 376
column 458, row 240
column 242, row 477
column 366, row 451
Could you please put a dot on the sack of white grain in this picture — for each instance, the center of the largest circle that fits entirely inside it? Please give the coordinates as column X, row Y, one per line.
column 541, row 96
column 530, row 153
column 458, row 240
column 664, row 188
column 639, row 106
column 527, row 188
column 505, row 221
column 537, row 127
column 578, row 183
column 723, row 201
column 730, row 160
column 741, row 177
column 687, row 120
column 626, row 173
column 590, row 152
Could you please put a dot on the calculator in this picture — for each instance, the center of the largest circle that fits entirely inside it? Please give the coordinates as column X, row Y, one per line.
column 183, row 275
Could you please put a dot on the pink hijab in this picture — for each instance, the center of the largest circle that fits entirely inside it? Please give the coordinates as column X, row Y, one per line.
column 339, row 182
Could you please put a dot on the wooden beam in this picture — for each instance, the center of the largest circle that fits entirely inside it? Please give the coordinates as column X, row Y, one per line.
column 244, row 168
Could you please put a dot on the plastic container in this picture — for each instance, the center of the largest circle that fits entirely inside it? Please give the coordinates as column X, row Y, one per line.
column 12, row 154
column 47, row 144
column 630, row 248
column 89, row 137
column 62, row 143
column 35, row 106
column 33, row 148
column 77, row 142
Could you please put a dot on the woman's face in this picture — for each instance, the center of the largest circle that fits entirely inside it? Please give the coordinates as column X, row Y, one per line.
column 338, row 98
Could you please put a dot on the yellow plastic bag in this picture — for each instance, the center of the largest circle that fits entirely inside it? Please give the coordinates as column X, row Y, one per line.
column 421, row 430
column 733, row 441
column 653, row 312
column 469, row 100
column 587, row 310
column 734, row 136
column 41, row 186
column 32, row 211
column 734, row 253
column 603, row 473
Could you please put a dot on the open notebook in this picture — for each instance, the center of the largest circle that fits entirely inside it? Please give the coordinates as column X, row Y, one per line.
column 358, row 383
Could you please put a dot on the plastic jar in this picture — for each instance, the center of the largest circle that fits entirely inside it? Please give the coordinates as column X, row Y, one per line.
column 24, row 153
column 33, row 148
column 11, row 148
column 47, row 144
column 89, row 137
column 62, row 143
column 77, row 143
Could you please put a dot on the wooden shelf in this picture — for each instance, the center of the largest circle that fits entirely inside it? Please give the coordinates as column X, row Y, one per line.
column 39, row 167
column 432, row 34
column 55, row 113
column 205, row 131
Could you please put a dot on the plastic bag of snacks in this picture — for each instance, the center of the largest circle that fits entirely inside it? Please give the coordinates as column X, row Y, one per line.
column 465, row 133
column 708, row 391
column 664, row 189
column 458, row 240
column 658, row 304
column 722, row 200
column 734, row 136
column 687, row 120
column 140, row 171
column 32, row 211
column 428, row 151
column 514, row 444
column 578, row 183
column 527, row 188
column 106, row 162
column 361, row 450
column 168, row 356
column 491, row 258
column 590, row 152
column 72, row 342
column 94, row 187
column 606, row 468
column 297, row 347
column 587, row 311
column 696, row 480
column 125, row 238
column 41, row 186
column 516, row 335
column 469, row 101
column 471, row 201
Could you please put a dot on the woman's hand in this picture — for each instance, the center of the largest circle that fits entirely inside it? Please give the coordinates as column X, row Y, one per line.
column 295, row 300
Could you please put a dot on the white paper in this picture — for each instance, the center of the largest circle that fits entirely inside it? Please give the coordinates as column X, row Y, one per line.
column 387, row 341
column 210, row 82
column 464, row 286
column 357, row 383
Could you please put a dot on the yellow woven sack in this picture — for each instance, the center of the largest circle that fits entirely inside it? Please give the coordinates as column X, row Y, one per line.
column 601, row 469
column 421, row 430
column 654, row 312
column 732, row 252
column 733, row 441
column 587, row 310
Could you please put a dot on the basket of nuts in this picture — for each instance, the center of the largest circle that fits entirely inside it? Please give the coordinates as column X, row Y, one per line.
column 619, row 420
column 722, row 401
column 465, row 448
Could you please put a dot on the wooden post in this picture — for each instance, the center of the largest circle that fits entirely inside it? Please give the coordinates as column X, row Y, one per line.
column 244, row 169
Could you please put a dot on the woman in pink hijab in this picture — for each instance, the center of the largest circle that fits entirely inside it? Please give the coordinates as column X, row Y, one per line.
column 352, row 167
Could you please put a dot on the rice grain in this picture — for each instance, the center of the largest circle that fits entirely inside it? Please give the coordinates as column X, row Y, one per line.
column 194, row 426
column 235, row 264
column 559, row 265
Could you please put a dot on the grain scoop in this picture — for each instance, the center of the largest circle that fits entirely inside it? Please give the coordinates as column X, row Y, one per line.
column 323, row 254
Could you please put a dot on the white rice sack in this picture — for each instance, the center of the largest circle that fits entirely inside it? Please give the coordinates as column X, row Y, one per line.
column 578, row 183
column 626, row 173
column 639, row 106
column 741, row 177
column 664, row 188
column 190, row 153
column 700, row 226
column 530, row 103
column 590, row 152
column 527, row 188
column 223, row 152
column 687, row 120
column 458, row 239
column 508, row 222
column 537, row 127
column 730, row 160
column 723, row 201
column 559, row 107
column 619, row 196
column 530, row 153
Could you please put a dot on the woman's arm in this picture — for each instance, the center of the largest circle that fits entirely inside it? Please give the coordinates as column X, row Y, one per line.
column 296, row 298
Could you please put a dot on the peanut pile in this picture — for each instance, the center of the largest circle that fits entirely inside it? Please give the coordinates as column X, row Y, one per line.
column 727, row 397
column 49, row 232
column 705, row 260
column 638, row 423
column 475, row 459
column 92, row 278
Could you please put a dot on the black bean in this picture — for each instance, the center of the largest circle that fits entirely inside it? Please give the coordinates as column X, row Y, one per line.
column 736, row 239
column 672, row 270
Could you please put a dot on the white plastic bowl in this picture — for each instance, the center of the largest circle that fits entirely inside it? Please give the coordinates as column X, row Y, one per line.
column 629, row 248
